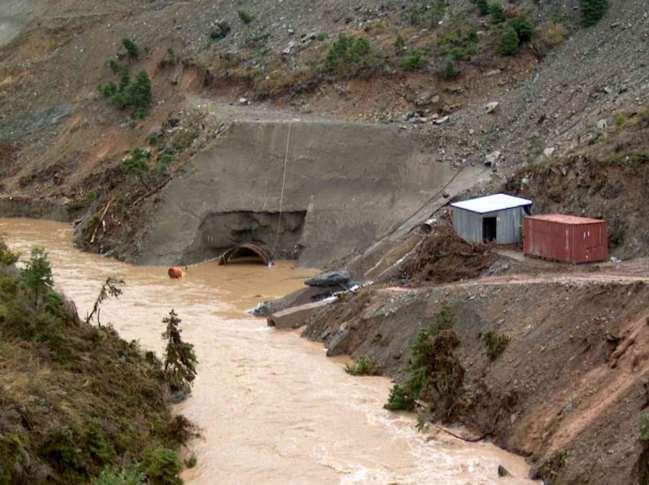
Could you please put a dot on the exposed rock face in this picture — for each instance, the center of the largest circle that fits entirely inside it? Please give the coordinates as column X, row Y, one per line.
column 327, row 189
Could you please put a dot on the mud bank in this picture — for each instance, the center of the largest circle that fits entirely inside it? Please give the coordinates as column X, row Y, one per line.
column 317, row 191
column 35, row 208
column 569, row 387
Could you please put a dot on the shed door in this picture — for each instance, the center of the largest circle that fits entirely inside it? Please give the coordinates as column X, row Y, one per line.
column 489, row 229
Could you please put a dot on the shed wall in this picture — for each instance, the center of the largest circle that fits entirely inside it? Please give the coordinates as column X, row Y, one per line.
column 468, row 225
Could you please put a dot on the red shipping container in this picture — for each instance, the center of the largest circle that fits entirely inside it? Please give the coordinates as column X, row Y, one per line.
column 565, row 238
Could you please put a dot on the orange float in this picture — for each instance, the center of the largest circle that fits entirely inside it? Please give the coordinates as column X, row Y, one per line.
column 175, row 273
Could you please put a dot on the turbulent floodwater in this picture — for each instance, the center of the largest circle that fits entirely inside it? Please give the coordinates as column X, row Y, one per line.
column 272, row 408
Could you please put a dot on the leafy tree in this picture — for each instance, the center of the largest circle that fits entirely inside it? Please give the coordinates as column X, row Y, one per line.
column 131, row 48
column 180, row 360
column 509, row 42
column 36, row 276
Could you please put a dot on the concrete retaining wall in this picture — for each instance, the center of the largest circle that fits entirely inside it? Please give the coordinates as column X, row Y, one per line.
column 355, row 182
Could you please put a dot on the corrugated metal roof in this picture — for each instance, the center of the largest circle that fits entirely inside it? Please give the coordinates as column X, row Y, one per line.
column 492, row 203
column 565, row 219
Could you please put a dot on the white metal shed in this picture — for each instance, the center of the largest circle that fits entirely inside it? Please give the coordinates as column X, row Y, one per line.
column 497, row 217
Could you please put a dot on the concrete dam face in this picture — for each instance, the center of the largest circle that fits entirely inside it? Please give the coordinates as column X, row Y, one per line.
column 314, row 191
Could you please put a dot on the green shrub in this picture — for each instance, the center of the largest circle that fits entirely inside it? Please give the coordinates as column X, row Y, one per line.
column 592, row 11
column 399, row 43
column 7, row 256
column 413, row 61
column 400, row 399
column 349, row 56
column 97, row 444
column 364, row 366
column 427, row 14
column 116, row 476
column 136, row 164
column 36, row 276
column 246, row 17
column 136, row 94
column 131, row 48
column 494, row 344
column 162, row 466
column 164, row 162
column 139, row 94
column 523, row 27
column 449, row 69
column 459, row 41
column 508, row 41
column 644, row 426
column 403, row 396
column 497, row 13
column 483, row 7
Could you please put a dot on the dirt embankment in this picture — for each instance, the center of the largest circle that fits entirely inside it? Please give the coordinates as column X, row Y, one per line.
column 569, row 386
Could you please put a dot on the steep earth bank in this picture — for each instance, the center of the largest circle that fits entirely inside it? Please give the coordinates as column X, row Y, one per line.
column 567, row 389
column 76, row 399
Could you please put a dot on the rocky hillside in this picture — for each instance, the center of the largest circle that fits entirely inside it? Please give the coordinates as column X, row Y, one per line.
column 447, row 71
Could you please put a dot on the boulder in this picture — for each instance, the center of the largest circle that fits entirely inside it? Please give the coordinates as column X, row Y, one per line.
column 330, row 279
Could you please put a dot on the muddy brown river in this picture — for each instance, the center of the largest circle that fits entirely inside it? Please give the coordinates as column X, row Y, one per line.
column 272, row 408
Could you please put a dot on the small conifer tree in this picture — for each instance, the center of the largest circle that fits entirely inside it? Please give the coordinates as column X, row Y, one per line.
column 509, row 42
column 37, row 276
column 180, row 360
column 131, row 48
column 136, row 164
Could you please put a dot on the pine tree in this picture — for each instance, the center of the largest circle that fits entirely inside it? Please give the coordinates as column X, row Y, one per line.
column 139, row 93
column 136, row 164
column 36, row 276
column 180, row 360
column 509, row 42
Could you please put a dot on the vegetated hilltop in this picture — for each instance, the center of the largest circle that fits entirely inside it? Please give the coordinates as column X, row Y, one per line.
column 77, row 401
column 427, row 66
